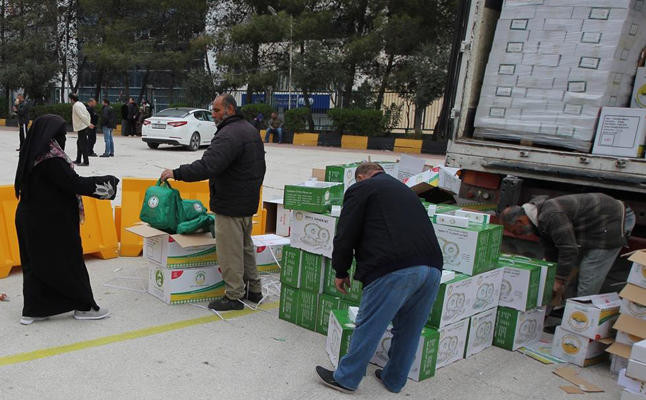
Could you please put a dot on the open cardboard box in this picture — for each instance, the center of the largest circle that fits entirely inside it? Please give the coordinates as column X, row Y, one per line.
column 176, row 251
column 633, row 301
column 591, row 316
column 637, row 274
column 278, row 217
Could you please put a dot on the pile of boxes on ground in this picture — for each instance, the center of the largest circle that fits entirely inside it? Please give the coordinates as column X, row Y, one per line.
column 484, row 298
column 555, row 65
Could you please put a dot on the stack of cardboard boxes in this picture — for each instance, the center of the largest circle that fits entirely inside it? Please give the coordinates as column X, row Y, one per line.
column 554, row 64
column 183, row 268
column 633, row 377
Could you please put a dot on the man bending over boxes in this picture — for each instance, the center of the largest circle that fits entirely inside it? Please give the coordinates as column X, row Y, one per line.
column 582, row 232
column 385, row 227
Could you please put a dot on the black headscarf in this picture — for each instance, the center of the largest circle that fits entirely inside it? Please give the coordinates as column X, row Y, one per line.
column 42, row 131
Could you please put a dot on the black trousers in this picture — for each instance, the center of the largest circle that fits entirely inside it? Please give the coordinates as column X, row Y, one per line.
column 22, row 131
column 82, row 146
column 91, row 140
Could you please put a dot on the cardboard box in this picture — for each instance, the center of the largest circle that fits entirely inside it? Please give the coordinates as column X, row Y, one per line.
column 453, row 339
column 288, row 305
column 290, row 271
column 630, row 384
column 637, row 274
column 307, row 307
column 548, row 273
column 487, row 290
column 313, row 232
column 269, row 251
column 326, row 304
column 636, row 370
column 425, row 357
column 313, row 196
column 618, row 364
column 630, row 330
column 341, row 173
column 188, row 285
column 467, row 249
column 339, row 333
column 639, row 89
column 454, row 302
column 312, row 273
column 278, row 217
column 591, row 316
column 176, row 251
column 353, row 295
column 638, row 351
column 520, row 286
column 621, row 132
column 633, row 301
column 576, row 349
column 481, row 330
column 515, row 328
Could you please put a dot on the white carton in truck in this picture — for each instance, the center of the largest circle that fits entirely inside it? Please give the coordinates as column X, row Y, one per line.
column 621, row 132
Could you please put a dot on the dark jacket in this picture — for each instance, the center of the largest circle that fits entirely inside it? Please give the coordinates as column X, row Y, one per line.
column 571, row 223
column 107, row 117
column 132, row 111
column 124, row 111
column 234, row 163
column 384, row 223
column 23, row 113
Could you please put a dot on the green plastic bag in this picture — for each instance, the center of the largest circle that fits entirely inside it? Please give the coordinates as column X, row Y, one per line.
column 202, row 223
column 162, row 207
column 192, row 209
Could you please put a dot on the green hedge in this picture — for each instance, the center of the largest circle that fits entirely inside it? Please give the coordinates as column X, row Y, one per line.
column 249, row 111
column 369, row 122
column 62, row 109
column 4, row 107
column 296, row 119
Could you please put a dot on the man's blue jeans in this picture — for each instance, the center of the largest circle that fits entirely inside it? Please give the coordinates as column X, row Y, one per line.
column 404, row 297
column 279, row 131
column 109, row 143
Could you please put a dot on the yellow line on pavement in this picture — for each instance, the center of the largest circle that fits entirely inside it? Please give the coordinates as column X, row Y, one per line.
column 120, row 337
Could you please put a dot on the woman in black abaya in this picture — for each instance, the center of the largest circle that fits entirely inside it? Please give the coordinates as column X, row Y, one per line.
column 55, row 279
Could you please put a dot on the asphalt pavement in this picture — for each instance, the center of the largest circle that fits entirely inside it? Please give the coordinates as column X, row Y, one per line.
column 149, row 350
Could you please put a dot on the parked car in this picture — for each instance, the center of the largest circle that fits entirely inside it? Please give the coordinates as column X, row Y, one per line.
column 181, row 126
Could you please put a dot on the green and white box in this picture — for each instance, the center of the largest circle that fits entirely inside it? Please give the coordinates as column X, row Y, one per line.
column 453, row 340
column 516, row 329
column 465, row 249
column 519, row 287
column 290, row 272
column 327, row 303
column 339, row 333
column 481, row 328
column 454, row 301
column 576, row 349
column 487, row 290
column 307, row 307
column 353, row 293
column 313, row 196
column 312, row 273
column 425, row 357
column 548, row 273
column 288, row 308
column 269, row 251
column 313, row 232
column 341, row 173
column 188, row 285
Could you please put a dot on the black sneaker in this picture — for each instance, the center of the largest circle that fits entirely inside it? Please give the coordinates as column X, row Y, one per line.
column 254, row 297
column 77, row 162
column 104, row 155
column 327, row 377
column 378, row 374
column 93, row 155
column 225, row 304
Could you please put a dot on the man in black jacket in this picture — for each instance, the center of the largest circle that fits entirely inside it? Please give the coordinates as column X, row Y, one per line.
column 385, row 227
column 234, row 163
column 21, row 108
column 91, row 133
column 132, row 117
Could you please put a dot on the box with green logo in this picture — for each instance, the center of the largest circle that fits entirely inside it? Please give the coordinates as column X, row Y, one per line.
column 306, row 310
column 425, row 357
column 313, row 232
column 481, row 330
column 291, row 266
column 520, row 286
column 432, row 208
column 454, row 301
column 313, row 196
column 353, row 293
column 185, row 285
column 327, row 303
column 312, row 273
column 288, row 306
column 515, row 328
column 339, row 333
column 467, row 249
column 341, row 173
column 548, row 273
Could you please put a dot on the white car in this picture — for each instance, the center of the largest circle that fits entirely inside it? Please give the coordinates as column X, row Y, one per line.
column 182, row 126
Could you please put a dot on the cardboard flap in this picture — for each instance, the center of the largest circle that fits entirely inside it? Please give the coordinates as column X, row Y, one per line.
column 631, row 325
column 606, row 340
column 318, row 173
column 619, row 349
column 194, row 239
column 570, row 375
column 145, row 230
column 274, row 201
column 639, row 257
column 634, row 293
column 606, row 300
column 451, row 220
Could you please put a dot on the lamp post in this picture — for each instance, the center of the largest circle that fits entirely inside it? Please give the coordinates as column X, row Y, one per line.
column 291, row 42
